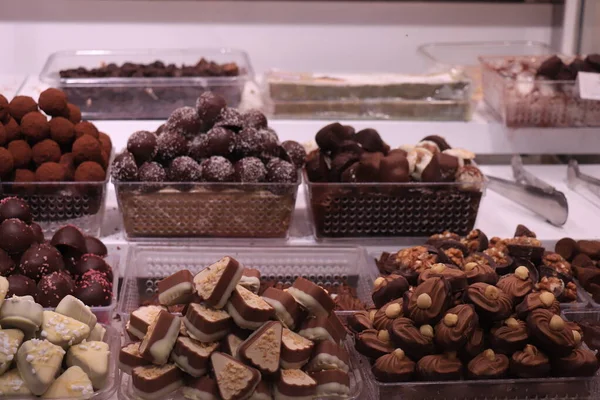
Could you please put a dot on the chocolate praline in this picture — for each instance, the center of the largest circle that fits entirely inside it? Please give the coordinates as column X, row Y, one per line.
column 7, row 264
column 361, row 320
column 417, row 342
column 488, row 365
column 296, row 152
column 280, row 171
column 20, row 285
column 94, row 289
column 13, row 207
column 385, row 316
column 428, row 302
column 475, row 344
column 409, row 262
column 209, row 106
column 254, row 119
column 490, row 302
column 530, row 363
column 69, row 240
column 250, row 169
column 475, row 241
column 503, row 262
column 394, row 367
column 386, row 289
column 438, row 238
column 455, row 277
column 15, row 236
column 89, row 262
column 517, row 285
column 95, row 246
column 39, row 260
column 457, row 325
column 124, row 168
column 184, row 169
column 509, row 336
column 373, row 343
column 526, row 247
column 230, row 118
column 184, row 121
column 537, row 300
column 439, row 367
column 580, row 362
column 477, row 272
column 53, row 288
column 217, row 169
column 170, row 145
column 142, row 145
column 551, row 333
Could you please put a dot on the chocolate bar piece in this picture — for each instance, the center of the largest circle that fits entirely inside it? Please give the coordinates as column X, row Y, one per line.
column 312, row 297
column 72, row 384
column 192, row 356
column 21, row 313
column 206, row 324
column 12, row 385
column 328, row 355
column 176, row 289
column 318, row 329
column 38, row 362
column 294, row 384
column 72, row 307
column 140, row 320
column 236, row 381
column 286, row 308
column 215, row 283
column 332, row 382
column 92, row 358
column 160, row 338
column 250, row 280
column 153, row 382
column 10, row 340
column 203, row 388
column 62, row 330
column 130, row 357
column 262, row 349
column 295, row 350
column 248, row 310
column 230, row 344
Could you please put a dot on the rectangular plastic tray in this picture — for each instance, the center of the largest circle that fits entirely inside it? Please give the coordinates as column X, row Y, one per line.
column 233, row 210
column 544, row 104
column 144, row 97
column 341, row 210
column 327, row 266
column 56, row 204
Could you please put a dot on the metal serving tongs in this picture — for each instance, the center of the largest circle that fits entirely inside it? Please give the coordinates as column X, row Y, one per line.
column 577, row 180
column 532, row 193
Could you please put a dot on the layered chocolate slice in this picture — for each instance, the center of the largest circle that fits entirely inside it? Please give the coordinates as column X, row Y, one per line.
column 140, row 320
column 215, row 283
column 294, row 384
column 235, row 380
column 130, row 357
column 160, row 338
column 248, row 310
column 328, row 355
column 312, row 297
column 192, row 356
column 286, row 308
column 176, row 289
column 250, row 280
column 262, row 349
column 295, row 350
column 153, row 382
column 203, row 388
column 206, row 324
column 332, row 382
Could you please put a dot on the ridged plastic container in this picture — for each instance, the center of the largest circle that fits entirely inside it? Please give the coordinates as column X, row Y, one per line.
column 144, row 97
column 342, row 210
column 232, row 210
column 327, row 266
column 56, row 204
column 543, row 104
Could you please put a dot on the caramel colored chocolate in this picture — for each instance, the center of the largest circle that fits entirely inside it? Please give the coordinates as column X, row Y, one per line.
column 294, row 383
column 286, row 308
column 480, row 272
column 295, row 349
column 386, row 289
column 248, row 310
column 160, row 338
column 312, row 297
column 262, row 350
column 235, row 380
column 192, row 356
column 328, row 355
column 428, row 302
column 439, row 367
column 176, row 289
column 488, row 365
column 457, row 325
column 518, row 284
column 394, row 367
column 153, row 382
column 530, row 363
column 537, row 300
column 206, row 324
column 510, row 336
column 215, row 283
column 490, row 302
column 552, row 334
column 417, row 342
column 373, row 344
column 140, row 320
column 130, row 357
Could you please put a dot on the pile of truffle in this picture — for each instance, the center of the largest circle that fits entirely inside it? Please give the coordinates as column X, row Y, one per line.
column 209, row 143
column 583, row 256
column 157, row 69
column 36, row 343
column 232, row 343
column 348, row 156
column 443, row 316
column 64, row 148
column 70, row 263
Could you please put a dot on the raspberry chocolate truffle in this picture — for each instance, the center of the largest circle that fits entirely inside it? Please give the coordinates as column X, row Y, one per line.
column 40, row 260
column 13, row 207
column 15, row 236
column 20, row 285
column 53, row 288
column 53, row 102
column 94, row 289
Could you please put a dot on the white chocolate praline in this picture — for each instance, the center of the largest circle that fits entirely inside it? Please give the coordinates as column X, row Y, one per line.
column 97, row 334
column 92, row 358
column 326, row 361
column 62, row 330
column 72, row 307
column 308, row 302
column 21, row 313
column 3, row 289
column 11, row 384
column 38, row 362
column 10, row 340
column 72, row 384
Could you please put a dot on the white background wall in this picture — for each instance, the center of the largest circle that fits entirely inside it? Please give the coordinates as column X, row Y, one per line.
column 291, row 35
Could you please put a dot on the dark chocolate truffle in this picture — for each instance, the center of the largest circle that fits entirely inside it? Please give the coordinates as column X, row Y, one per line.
column 19, row 106
column 24, row 176
column 217, row 169
column 124, row 168
column 184, row 169
column 50, row 172
column 89, row 171
column 170, row 145
column 254, row 119
column 184, row 121
column 87, row 148
column 62, row 130
column 152, row 172
column 94, row 289
column 13, row 207
column 53, row 102
column 249, row 142
column 15, row 236
column 46, row 151
column 21, row 152
column 38, row 232
column 250, row 169
column 7, row 162
column 86, row 128
column 53, row 288
column 39, row 260
column 230, row 118
column 35, row 127
column 74, row 113
column 69, row 239
column 142, row 145
column 371, row 141
column 220, row 142
column 20, row 285
column 281, row 171
column 7, row 264
column 95, row 246
column 89, row 262
column 296, row 152
column 209, row 106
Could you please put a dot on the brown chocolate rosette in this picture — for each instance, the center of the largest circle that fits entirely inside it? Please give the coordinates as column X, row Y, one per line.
column 488, row 365
column 428, row 302
column 388, row 288
column 490, row 302
column 373, row 343
column 509, row 336
column 417, row 342
column 394, row 367
column 361, row 320
column 530, row 363
column 456, row 277
column 475, row 344
column 385, row 316
column 453, row 331
column 439, row 367
column 479, row 272
column 518, row 284
column 536, row 300
column 551, row 333
column 580, row 362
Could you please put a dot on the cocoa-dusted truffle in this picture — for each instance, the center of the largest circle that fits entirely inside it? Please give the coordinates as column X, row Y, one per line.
column 95, row 246
column 86, row 148
column 217, row 169
column 105, row 142
column 7, row 162
column 74, row 113
column 89, row 171
column 184, row 121
column 124, row 167
column 7, row 264
column 209, row 106
column 86, row 128
column 41, row 259
column 20, row 285
column 171, row 145
column 152, row 172
column 13, row 207
column 45, row 151
column 21, row 152
column 184, row 169
column 67, row 160
column 62, row 130
column 13, row 130
column 296, row 152
column 250, row 169
column 92, row 262
column 53, row 102
column 21, row 105
column 50, row 172
column 254, row 119
column 23, row 176
column 3, row 136
column 142, row 145
column 52, row 288
column 35, row 127
column 94, row 289
column 15, row 236
column 4, row 111
column 281, row 171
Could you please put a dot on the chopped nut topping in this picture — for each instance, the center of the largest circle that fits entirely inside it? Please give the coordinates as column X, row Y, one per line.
column 456, row 256
column 417, row 258
column 557, row 263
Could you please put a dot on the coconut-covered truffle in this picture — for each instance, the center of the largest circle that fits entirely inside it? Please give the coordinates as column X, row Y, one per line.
column 19, row 106
column 209, row 106
column 53, row 102
column 250, row 169
column 87, row 148
column 185, row 121
column 50, row 172
column 152, row 172
column 254, row 119
column 74, row 113
column 35, row 127
column 21, row 152
column 45, row 151
column 184, row 169
column 296, row 152
column 281, row 171
column 171, row 145
column 142, row 145
column 217, row 169
column 7, row 162
column 89, row 171
column 62, row 130
column 124, row 167
column 86, row 128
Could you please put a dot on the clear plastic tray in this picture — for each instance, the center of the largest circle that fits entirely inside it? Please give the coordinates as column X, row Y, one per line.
column 233, row 210
column 143, row 98
column 544, row 103
column 327, row 266
column 341, row 210
column 56, row 204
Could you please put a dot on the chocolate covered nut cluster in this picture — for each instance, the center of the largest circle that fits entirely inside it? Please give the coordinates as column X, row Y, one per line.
column 36, row 344
column 579, row 259
column 69, row 264
column 451, row 318
column 231, row 343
